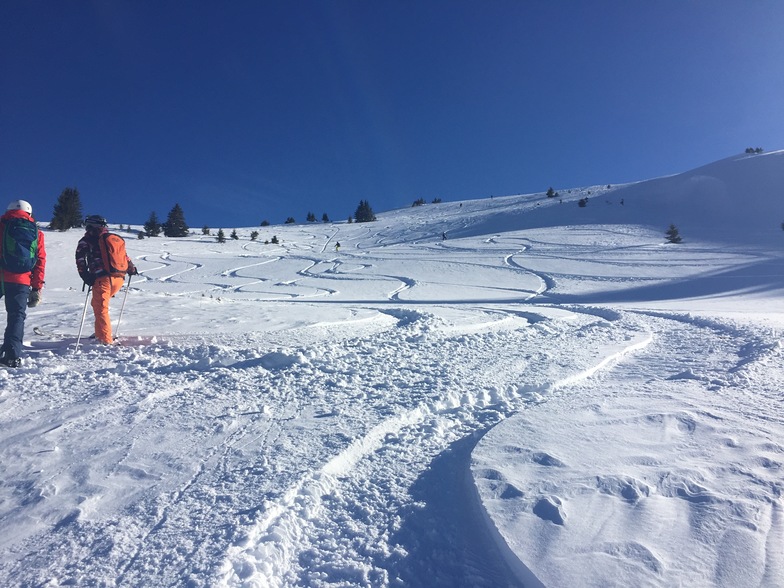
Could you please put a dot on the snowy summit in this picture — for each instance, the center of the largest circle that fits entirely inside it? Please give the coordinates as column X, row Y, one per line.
column 513, row 391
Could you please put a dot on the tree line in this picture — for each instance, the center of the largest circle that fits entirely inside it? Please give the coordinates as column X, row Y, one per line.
column 68, row 214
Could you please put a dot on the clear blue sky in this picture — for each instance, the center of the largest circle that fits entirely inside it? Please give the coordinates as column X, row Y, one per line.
column 249, row 110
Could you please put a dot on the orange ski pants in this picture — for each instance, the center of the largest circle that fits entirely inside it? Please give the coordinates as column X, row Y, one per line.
column 103, row 289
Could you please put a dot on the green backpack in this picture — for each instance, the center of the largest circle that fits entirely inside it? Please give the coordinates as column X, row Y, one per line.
column 19, row 245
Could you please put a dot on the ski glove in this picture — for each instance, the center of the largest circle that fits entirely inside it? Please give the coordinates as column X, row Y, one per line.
column 132, row 271
column 34, row 298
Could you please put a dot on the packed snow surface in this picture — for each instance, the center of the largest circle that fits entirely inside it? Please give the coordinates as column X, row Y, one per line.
column 552, row 395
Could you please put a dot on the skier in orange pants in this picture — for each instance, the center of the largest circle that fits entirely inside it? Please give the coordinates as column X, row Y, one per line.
column 102, row 264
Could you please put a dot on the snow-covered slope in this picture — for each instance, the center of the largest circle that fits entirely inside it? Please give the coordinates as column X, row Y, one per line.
column 738, row 199
column 550, row 396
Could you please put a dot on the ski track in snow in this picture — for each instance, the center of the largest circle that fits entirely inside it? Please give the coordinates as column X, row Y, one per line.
column 715, row 495
column 455, row 414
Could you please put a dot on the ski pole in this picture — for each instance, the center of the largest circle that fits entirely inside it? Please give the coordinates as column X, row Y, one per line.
column 84, row 314
column 122, row 308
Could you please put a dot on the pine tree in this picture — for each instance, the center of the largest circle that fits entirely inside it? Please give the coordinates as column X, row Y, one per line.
column 254, row 235
column 274, row 239
column 290, row 221
column 234, row 235
column 364, row 213
column 221, row 237
column 205, row 230
column 324, row 218
column 67, row 211
column 265, row 223
column 152, row 227
column 311, row 218
column 175, row 225
column 672, row 235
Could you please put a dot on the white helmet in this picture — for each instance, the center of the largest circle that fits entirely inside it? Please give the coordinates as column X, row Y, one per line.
column 21, row 205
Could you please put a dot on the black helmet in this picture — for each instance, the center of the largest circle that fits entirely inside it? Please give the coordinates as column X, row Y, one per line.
column 95, row 220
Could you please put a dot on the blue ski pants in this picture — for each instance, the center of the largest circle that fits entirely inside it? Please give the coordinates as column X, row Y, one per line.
column 16, row 307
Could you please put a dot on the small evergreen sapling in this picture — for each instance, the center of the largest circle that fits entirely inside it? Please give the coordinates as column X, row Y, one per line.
column 153, row 227
column 672, row 235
